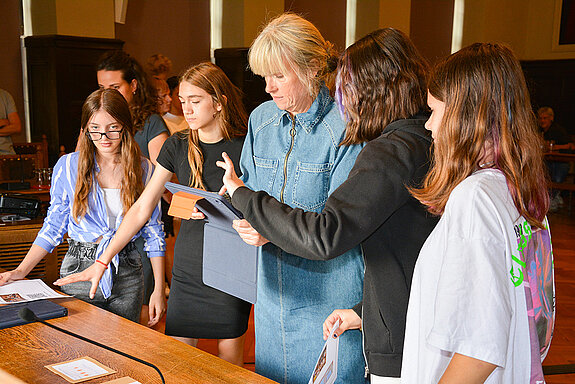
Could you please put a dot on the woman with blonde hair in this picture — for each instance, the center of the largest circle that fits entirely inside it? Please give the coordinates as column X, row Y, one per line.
column 91, row 191
column 482, row 303
column 292, row 151
column 214, row 112
column 381, row 89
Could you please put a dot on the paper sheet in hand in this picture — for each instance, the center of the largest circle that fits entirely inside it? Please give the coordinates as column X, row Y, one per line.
column 27, row 290
column 325, row 371
column 229, row 264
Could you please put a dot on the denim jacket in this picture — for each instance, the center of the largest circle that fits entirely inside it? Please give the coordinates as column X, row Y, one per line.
column 298, row 160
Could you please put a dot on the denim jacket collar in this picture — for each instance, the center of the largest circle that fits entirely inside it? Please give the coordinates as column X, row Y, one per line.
column 309, row 119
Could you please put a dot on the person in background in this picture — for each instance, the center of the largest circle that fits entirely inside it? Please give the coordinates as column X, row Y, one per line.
column 174, row 118
column 9, row 123
column 482, row 302
column 118, row 70
column 557, row 139
column 217, row 120
column 159, row 66
column 381, row 90
column 163, row 96
column 91, row 190
column 292, row 151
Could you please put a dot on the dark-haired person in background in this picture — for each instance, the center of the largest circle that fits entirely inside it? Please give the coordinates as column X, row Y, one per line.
column 118, row 70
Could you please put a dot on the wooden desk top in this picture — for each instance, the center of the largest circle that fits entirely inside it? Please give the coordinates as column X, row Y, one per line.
column 26, row 349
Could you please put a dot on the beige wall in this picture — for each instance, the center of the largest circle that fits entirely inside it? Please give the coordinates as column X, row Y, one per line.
column 89, row 18
column 526, row 25
column 256, row 14
column 179, row 29
column 396, row 14
column 86, row 18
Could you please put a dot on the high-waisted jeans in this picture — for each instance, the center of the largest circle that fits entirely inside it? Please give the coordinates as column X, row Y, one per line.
column 128, row 288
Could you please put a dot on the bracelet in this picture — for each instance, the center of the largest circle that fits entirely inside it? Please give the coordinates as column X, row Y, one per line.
column 104, row 264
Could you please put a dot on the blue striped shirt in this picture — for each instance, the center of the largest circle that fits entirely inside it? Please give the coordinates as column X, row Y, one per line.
column 94, row 226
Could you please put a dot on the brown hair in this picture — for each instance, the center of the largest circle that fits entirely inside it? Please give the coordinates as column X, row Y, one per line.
column 112, row 102
column 487, row 106
column 291, row 41
column 144, row 104
column 232, row 118
column 381, row 78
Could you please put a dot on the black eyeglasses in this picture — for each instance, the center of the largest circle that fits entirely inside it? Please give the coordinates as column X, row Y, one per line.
column 96, row 136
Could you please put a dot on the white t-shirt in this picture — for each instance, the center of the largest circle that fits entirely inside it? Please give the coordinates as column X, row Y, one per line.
column 479, row 274
column 113, row 200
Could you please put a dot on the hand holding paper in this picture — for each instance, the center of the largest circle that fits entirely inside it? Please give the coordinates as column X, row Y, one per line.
column 347, row 319
column 325, row 371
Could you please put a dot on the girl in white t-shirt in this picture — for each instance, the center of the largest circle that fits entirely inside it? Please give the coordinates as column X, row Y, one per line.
column 481, row 307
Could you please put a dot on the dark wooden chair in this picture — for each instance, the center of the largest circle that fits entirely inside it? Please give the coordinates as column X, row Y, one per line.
column 28, row 157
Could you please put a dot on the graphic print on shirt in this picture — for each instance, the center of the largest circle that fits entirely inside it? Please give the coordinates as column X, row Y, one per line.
column 533, row 269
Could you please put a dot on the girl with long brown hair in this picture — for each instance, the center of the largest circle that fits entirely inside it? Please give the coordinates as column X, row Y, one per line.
column 91, row 191
column 481, row 306
column 213, row 109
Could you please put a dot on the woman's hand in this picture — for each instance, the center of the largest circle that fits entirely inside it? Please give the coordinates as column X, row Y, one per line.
column 92, row 274
column 348, row 319
column 157, row 307
column 10, row 276
column 230, row 179
column 197, row 215
column 248, row 234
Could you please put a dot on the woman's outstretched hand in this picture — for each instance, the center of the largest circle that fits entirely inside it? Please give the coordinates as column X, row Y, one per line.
column 230, row 179
column 92, row 274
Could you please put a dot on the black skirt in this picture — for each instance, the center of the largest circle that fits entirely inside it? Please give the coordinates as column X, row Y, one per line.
column 194, row 309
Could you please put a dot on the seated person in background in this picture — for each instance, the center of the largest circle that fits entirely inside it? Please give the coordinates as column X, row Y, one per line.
column 9, row 123
column 159, row 66
column 556, row 135
column 174, row 118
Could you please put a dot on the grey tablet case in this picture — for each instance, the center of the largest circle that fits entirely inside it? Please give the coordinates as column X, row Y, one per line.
column 44, row 309
column 229, row 264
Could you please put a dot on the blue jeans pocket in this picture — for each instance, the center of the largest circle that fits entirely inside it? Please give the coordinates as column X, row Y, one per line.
column 266, row 170
column 311, row 185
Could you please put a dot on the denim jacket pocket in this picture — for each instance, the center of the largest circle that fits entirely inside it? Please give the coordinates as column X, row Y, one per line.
column 266, row 170
column 311, row 185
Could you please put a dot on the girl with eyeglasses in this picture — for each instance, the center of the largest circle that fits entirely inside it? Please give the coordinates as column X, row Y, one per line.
column 91, row 191
column 217, row 122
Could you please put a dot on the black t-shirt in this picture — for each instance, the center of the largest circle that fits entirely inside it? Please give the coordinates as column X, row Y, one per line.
column 174, row 157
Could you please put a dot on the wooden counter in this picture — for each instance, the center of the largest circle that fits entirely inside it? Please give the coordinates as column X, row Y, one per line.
column 26, row 349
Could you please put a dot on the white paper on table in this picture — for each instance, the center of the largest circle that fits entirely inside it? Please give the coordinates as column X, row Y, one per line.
column 80, row 369
column 325, row 371
column 27, row 290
